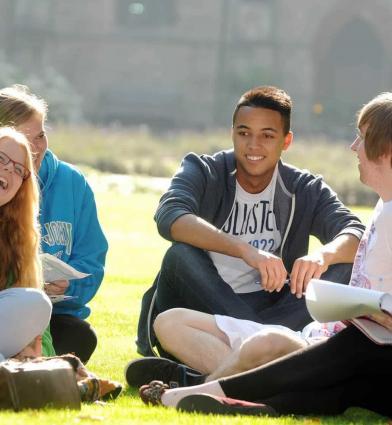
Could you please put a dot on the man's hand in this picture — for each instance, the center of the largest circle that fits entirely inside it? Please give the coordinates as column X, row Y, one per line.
column 341, row 250
column 272, row 270
column 305, row 268
column 382, row 319
column 57, row 287
column 197, row 232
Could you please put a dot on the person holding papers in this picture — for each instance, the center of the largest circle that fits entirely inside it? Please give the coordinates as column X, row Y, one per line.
column 346, row 369
column 69, row 224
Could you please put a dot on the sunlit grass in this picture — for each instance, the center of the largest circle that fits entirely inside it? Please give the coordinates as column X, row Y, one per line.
column 135, row 254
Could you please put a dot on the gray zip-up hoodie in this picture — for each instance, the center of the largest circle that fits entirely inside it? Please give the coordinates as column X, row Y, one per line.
column 304, row 204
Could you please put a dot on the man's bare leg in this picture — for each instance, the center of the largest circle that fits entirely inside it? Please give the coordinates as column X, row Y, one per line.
column 257, row 350
column 34, row 349
column 193, row 338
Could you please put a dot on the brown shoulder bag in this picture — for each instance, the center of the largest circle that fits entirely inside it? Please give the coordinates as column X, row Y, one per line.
column 37, row 383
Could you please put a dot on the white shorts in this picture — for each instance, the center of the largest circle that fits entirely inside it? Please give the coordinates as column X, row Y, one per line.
column 238, row 330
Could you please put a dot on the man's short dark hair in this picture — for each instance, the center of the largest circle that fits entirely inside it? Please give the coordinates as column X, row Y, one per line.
column 268, row 97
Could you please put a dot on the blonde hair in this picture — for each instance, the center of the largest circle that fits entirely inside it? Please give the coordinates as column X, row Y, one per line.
column 377, row 114
column 18, row 104
column 19, row 228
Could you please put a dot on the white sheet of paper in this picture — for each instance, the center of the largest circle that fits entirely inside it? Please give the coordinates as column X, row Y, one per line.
column 329, row 301
column 58, row 298
column 56, row 269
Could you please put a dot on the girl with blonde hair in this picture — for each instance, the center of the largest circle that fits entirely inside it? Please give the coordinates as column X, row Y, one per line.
column 69, row 223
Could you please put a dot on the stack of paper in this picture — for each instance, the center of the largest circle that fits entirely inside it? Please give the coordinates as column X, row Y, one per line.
column 329, row 301
column 56, row 269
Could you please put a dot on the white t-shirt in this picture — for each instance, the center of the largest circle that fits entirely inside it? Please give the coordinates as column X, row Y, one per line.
column 373, row 266
column 373, row 261
column 252, row 220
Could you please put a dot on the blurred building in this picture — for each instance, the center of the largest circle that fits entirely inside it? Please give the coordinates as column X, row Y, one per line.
column 184, row 63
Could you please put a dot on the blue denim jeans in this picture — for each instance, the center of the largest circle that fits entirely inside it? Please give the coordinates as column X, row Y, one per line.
column 189, row 279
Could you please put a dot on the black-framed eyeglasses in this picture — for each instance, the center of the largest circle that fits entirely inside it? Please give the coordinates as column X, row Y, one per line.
column 19, row 169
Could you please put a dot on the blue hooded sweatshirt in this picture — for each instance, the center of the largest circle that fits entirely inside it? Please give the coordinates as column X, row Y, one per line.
column 71, row 231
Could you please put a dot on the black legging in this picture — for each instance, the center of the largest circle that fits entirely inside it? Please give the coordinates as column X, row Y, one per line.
column 73, row 335
column 326, row 378
column 363, row 391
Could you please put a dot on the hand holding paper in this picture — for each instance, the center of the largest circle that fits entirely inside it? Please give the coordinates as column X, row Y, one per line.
column 58, row 287
column 59, row 298
column 55, row 269
column 329, row 301
column 383, row 319
column 365, row 308
column 57, row 274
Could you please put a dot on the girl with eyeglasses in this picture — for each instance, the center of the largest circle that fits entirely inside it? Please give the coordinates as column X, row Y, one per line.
column 24, row 308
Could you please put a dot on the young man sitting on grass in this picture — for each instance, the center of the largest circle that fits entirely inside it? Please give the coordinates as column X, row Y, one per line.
column 241, row 220
column 346, row 369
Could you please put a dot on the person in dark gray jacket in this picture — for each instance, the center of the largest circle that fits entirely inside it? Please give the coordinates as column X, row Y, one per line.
column 240, row 222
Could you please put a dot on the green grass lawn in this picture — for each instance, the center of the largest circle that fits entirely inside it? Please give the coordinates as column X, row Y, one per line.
column 133, row 260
